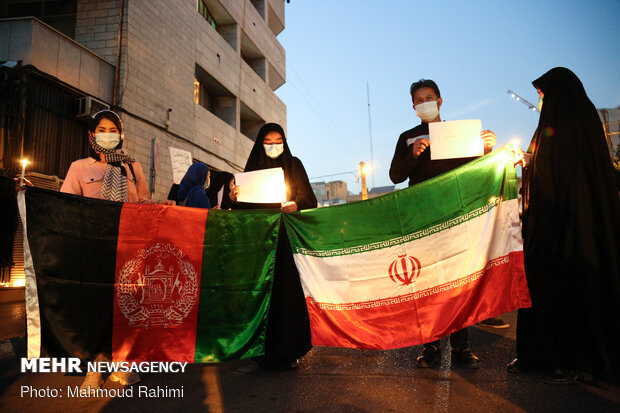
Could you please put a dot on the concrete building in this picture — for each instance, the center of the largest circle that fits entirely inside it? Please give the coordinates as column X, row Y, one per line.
column 330, row 193
column 200, row 75
column 335, row 193
column 196, row 75
column 373, row 193
column 611, row 125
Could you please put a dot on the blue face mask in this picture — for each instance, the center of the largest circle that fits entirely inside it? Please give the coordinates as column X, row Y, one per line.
column 274, row 150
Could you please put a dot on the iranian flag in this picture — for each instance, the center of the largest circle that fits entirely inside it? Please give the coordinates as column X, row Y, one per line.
column 413, row 266
column 139, row 282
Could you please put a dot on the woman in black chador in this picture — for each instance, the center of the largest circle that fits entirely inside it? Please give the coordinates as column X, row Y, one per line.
column 288, row 326
column 571, row 231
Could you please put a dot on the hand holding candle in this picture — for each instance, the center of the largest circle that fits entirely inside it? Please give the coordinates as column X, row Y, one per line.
column 523, row 159
column 24, row 162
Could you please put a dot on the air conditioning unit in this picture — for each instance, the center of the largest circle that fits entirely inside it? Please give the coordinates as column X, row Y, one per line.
column 89, row 106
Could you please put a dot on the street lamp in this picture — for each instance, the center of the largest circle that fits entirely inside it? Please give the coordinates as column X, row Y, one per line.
column 363, row 170
column 525, row 102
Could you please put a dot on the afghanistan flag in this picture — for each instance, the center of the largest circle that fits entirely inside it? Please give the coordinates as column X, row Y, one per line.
column 146, row 282
column 415, row 265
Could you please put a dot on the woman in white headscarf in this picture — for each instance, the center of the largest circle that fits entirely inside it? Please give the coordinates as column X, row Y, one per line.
column 107, row 173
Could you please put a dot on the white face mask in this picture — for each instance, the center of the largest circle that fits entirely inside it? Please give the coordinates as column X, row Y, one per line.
column 427, row 111
column 107, row 140
column 274, row 150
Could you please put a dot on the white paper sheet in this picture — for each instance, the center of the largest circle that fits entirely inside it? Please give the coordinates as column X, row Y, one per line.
column 181, row 161
column 262, row 186
column 456, row 139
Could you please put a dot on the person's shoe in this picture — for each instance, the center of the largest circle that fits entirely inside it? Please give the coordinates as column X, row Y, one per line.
column 516, row 366
column 429, row 357
column 559, row 376
column 125, row 378
column 585, row 377
column 93, row 381
column 293, row 364
column 494, row 323
column 466, row 358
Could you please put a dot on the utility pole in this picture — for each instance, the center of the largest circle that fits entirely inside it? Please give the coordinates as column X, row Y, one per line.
column 372, row 160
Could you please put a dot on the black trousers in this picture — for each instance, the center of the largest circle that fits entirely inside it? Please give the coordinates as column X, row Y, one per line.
column 458, row 339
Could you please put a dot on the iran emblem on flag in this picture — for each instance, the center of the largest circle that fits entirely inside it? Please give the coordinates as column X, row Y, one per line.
column 405, row 269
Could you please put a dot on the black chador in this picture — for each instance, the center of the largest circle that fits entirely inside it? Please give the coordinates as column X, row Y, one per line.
column 288, row 327
column 571, row 230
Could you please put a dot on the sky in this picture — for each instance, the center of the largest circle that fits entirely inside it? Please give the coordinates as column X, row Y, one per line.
column 340, row 52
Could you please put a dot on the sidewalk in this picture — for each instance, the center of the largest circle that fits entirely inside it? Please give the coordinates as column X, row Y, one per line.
column 331, row 380
column 12, row 322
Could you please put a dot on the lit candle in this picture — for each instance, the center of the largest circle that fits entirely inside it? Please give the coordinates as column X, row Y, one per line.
column 21, row 178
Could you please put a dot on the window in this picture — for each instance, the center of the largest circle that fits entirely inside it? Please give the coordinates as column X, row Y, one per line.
column 218, row 17
column 259, row 5
column 202, row 8
column 213, row 96
column 253, row 56
column 250, row 122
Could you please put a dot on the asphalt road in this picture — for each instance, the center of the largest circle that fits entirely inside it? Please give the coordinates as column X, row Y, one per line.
column 327, row 380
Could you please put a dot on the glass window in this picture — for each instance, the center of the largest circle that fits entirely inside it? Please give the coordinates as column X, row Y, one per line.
column 204, row 12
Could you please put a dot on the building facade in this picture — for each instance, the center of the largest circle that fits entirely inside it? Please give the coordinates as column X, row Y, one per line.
column 610, row 119
column 330, row 193
column 199, row 75
column 195, row 75
column 373, row 193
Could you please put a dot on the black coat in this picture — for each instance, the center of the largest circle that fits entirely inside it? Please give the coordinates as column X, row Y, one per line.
column 419, row 169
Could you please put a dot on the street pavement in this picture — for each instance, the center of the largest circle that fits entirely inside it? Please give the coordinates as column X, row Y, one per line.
column 327, row 380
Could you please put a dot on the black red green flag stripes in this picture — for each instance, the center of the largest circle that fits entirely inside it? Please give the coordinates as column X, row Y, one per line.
column 146, row 282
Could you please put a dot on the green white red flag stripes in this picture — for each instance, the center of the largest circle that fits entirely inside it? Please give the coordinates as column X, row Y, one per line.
column 140, row 282
column 415, row 265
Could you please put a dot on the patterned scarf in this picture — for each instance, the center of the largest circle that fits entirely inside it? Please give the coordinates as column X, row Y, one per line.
column 115, row 177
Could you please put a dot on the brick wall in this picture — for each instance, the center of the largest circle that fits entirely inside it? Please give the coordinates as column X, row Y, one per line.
column 97, row 26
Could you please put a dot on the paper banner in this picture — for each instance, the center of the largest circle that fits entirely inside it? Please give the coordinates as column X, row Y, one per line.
column 456, row 139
